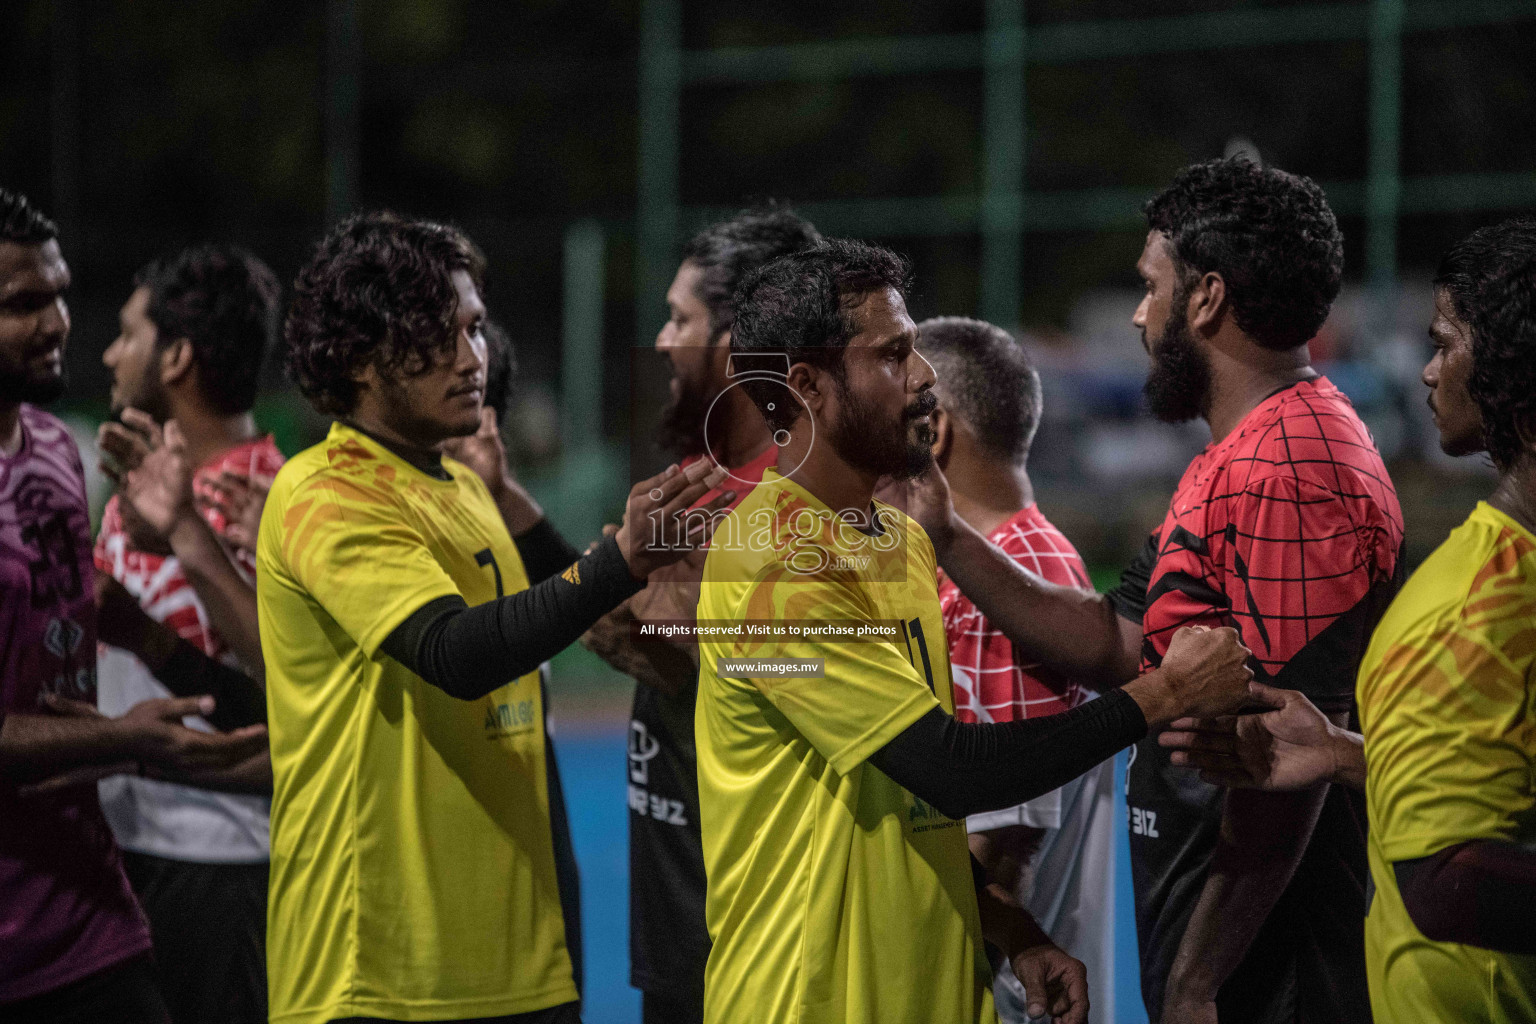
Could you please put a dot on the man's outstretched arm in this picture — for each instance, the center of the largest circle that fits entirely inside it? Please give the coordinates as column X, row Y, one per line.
column 1292, row 747
column 1075, row 632
column 35, row 746
column 180, row 665
column 964, row 769
column 468, row 652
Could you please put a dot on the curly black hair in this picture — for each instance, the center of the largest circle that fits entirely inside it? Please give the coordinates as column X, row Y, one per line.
column 224, row 301
column 1490, row 277
column 986, row 378
column 22, row 222
column 1268, row 233
column 726, row 251
column 378, row 289
column 801, row 305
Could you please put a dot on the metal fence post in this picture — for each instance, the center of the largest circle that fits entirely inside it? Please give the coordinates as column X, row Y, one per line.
column 342, row 108
column 1383, row 184
column 588, row 474
column 660, row 111
column 1003, row 141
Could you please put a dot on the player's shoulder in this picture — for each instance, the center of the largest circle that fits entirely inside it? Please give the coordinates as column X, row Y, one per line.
column 259, row 456
column 1476, row 590
column 1310, row 438
column 1485, row 570
column 466, row 478
column 36, row 419
column 341, row 464
column 47, row 434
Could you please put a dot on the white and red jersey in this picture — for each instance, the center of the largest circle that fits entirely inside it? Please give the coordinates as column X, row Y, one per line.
column 161, row 818
column 993, row 682
column 157, row 580
column 1069, row 889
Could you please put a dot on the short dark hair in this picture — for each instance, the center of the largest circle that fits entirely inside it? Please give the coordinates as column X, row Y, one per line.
column 224, row 301
column 1490, row 277
column 501, row 367
column 22, row 222
column 1268, row 233
column 801, row 305
column 986, row 378
column 378, row 289
column 727, row 251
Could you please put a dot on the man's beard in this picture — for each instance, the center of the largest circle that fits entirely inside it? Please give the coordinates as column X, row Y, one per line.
column 681, row 431
column 1178, row 386
column 865, row 440
column 150, row 398
column 26, row 387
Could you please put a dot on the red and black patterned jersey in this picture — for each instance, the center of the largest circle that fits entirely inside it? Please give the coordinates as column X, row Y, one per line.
column 994, row 682
column 1288, row 529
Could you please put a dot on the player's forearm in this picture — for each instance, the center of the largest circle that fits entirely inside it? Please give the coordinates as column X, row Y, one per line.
column 964, row 769
column 658, row 664
column 468, row 652
column 1072, row 631
column 1006, row 854
column 253, row 775
column 33, row 747
column 519, row 511
column 1004, row 923
column 541, row 547
column 186, row 671
column 1349, row 758
column 1478, row 893
column 1263, row 838
column 229, row 599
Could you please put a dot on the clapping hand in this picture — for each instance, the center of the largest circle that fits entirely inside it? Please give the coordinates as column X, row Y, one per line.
column 149, row 466
column 240, row 500
column 662, row 506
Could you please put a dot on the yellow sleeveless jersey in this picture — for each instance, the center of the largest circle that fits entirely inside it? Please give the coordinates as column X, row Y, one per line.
column 413, row 874
column 835, row 896
column 1447, row 696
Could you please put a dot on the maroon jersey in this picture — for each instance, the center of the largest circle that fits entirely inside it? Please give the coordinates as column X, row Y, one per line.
column 1289, row 530
column 65, row 907
column 993, row 683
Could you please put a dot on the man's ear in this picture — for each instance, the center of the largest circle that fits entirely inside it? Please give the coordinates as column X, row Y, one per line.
column 1207, row 303
column 176, row 361
column 943, row 435
column 811, row 384
column 720, row 358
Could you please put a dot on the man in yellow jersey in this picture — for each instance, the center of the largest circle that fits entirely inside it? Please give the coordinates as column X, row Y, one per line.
column 404, row 611
column 1447, row 690
column 832, row 775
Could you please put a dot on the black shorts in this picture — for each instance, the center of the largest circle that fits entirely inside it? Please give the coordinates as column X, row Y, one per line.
column 566, row 1013
column 660, row 1009
column 209, row 927
column 124, row 993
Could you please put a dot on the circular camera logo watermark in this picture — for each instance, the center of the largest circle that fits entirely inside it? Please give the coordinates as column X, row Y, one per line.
column 772, row 367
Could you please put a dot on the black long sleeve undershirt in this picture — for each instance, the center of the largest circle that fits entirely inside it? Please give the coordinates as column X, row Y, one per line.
column 1479, row 893
column 965, row 769
column 238, row 700
column 468, row 652
column 544, row 551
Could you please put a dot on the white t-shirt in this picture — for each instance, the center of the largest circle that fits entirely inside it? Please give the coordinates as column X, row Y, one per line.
column 1073, row 895
column 161, row 818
